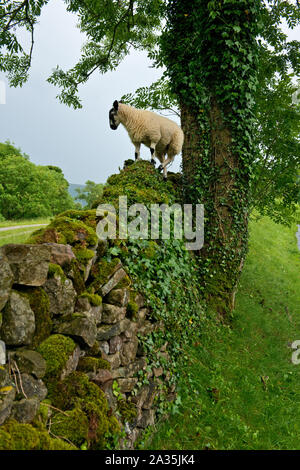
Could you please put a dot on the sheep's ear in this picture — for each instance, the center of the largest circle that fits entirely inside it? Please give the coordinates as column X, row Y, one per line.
column 116, row 105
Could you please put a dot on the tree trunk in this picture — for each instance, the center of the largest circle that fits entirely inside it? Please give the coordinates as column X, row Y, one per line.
column 217, row 179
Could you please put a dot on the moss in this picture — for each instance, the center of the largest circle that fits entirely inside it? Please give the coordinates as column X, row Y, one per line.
column 23, row 436
column 132, row 307
column 65, row 230
column 88, row 217
column 6, row 442
column 125, row 282
column 94, row 299
column 19, row 436
column 40, row 305
column 76, row 391
column 74, row 272
column 127, row 410
column 150, row 251
column 83, row 255
column 92, row 364
column 102, row 271
column 56, row 270
column 72, row 425
column 56, row 350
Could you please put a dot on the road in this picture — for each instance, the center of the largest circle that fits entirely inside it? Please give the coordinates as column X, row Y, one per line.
column 15, row 227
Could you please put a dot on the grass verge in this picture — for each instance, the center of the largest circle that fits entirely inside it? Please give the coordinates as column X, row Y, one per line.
column 240, row 389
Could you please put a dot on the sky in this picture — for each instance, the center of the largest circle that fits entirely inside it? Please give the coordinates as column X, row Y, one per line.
column 80, row 142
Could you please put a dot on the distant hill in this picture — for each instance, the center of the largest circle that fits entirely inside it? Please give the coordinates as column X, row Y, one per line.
column 72, row 191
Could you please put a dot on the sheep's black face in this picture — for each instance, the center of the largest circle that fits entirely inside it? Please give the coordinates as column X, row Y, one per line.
column 113, row 119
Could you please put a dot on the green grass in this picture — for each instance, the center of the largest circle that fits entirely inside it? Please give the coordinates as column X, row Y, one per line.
column 19, row 235
column 240, row 389
column 13, row 223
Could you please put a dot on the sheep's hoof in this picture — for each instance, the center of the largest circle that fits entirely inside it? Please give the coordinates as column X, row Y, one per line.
column 160, row 168
column 153, row 162
column 165, row 178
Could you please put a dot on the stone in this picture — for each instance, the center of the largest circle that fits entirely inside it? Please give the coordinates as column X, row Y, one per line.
column 60, row 254
column 62, row 295
column 2, row 353
column 113, row 359
column 103, row 379
column 118, row 297
column 7, row 394
column 142, row 315
column 71, row 363
column 95, row 314
column 82, row 304
column 30, row 362
column 106, row 332
column 6, row 280
column 115, row 344
column 141, row 396
column 25, row 410
column 88, row 267
column 29, row 263
column 32, row 388
column 104, row 346
column 147, row 328
column 113, row 281
column 149, row 399
column 158, row 371
column 146, row 418
column 129, row 351
column 127, row 384
column 130, row 370
column 81, row 329
column 112, row 314
column 139, row 300
column 18, row 321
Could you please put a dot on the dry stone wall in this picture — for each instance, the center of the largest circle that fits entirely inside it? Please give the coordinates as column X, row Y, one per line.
column 94, row 321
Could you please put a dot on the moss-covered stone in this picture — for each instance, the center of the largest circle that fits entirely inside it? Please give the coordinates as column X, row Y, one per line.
column 125, row 282
column 127, row 410
column 19, row 436
column 132, row 307
column 102, row 271
column 56, row 270
column 92, row 364
column 65, row 230
column 72, row 425
column 83, row 255
column 56, row 351
column 88, row 217
column 76, row 391
column 22, row 436
column 40, row 305
column 75, row 273
column 94, row 299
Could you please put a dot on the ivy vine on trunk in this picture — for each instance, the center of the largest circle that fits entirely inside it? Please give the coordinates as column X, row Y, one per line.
column 213, row 73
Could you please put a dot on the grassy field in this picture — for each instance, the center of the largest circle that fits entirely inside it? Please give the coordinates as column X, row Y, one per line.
column 240, row 389
column 21, row 234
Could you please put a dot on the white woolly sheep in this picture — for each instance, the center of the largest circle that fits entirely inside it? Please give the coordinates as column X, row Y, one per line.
column 160, row 134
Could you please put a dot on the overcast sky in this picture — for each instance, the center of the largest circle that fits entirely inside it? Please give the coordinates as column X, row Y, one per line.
column 80, row 142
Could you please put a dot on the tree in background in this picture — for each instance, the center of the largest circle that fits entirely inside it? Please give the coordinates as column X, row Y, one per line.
column 90, row 193
column 28, row 190
column 219, row 55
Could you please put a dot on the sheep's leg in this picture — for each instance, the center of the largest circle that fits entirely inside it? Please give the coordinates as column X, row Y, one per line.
column 164, row 165
column 137, row 151
column 152, row 151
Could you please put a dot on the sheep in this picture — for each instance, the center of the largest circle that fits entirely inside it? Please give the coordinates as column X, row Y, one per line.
column 159, row 133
